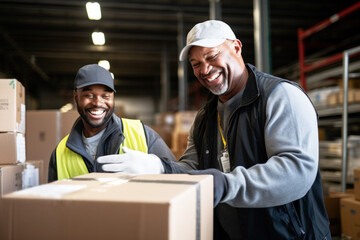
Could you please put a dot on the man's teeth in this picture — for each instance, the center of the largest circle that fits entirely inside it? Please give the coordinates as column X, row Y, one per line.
column 213, row 77
column 97, row 112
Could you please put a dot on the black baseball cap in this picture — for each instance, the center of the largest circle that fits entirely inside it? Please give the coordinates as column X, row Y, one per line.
column 93, row 74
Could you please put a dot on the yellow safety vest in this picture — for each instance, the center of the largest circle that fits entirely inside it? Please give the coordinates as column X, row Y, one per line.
column 70, row 164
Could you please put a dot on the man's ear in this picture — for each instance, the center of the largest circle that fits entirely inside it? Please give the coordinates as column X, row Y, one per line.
column 237, row 46
column 75, row 95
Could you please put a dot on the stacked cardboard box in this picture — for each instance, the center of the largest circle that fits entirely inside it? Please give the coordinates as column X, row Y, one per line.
column 337, row 98
column 166, row 206
column 330, row 162
column 45, row 129
column 10, row 178
column 333, row 95
column 15, row 172
column 12, row 121
column 12, row 135
column 332, row 205
column 350, row 211
column 320, row 97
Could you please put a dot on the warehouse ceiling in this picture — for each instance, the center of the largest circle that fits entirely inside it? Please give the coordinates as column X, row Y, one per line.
column 44, row 42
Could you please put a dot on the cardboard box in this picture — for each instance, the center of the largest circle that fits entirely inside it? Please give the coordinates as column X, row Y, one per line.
column 357, row 183
column 42, row 136
column 357, row 233
column 184, row 120
column 351, row 96
column 165, row 133
column 166, row 206
column 350, row 217
column 12, row 106
column 67, row 120
column 10, row 178
column 333, row 99
column 12, row 148
column 349, row 193
column 332, row 205
column 39, row 164
column 320, row 96
column 164, row 119
column 352, row 83
column 357, row 95
column 45, row 129
column 179, row 141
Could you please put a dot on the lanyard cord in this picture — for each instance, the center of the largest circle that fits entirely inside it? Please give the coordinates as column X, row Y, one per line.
column 221, row 130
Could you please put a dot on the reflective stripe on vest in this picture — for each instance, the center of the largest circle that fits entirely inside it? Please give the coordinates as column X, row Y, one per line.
column 70, row 164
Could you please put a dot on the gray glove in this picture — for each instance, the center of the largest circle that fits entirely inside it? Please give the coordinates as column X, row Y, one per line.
column 220, row 182
column 132, row 162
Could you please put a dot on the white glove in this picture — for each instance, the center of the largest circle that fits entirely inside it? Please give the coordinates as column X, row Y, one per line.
column 133, row 162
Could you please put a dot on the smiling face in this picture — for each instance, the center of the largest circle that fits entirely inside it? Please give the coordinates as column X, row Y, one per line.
column 95, row 104
column 220, row 69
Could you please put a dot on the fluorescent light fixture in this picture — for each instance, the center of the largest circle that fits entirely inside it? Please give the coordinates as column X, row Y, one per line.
column 105, row 64
column 98, row 38
column 93, row 10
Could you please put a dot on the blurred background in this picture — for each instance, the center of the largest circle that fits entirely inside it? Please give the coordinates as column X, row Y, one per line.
column 44, row 42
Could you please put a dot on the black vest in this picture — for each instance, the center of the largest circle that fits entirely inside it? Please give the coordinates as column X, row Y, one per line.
column 305, row 218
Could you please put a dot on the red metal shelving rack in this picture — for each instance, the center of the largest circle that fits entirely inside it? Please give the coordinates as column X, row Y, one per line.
column 302, row 34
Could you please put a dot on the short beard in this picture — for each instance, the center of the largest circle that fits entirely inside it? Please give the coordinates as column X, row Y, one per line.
column 103, row 123
column 221, row 90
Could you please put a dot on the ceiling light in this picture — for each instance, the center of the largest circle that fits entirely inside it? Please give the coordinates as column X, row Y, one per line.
column 93, row 10
column 67, row 107
column 105, row 64
column 98, row 38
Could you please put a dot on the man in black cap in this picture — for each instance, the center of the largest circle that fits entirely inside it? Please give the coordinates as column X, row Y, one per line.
column 99, row 136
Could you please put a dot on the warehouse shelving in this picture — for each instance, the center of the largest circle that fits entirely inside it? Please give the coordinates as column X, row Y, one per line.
column 316, row 79
column 303, row 34
column 322, row 73
column 337, row 110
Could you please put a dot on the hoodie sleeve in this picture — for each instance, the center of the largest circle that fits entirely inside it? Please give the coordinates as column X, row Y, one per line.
column 291, row 140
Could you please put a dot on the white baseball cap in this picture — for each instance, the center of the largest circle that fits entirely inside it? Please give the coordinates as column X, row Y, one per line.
column 210, row 33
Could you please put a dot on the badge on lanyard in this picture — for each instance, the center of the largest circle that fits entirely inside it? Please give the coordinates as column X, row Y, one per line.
column 224, row 160
column 224, row 154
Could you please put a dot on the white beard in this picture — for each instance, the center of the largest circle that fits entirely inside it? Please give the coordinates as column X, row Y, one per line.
column 221, row 90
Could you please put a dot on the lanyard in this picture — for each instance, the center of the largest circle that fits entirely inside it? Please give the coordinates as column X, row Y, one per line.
column 221, row 130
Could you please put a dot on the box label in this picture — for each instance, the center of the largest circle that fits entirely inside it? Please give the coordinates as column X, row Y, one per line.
column 20, row 148
column 4, row 104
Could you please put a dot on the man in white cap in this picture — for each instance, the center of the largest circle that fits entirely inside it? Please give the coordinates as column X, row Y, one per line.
column 258, row 136
column 99, row 140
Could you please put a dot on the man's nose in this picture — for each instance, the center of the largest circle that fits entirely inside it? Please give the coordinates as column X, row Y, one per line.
column 98, row 101
column 205, row 69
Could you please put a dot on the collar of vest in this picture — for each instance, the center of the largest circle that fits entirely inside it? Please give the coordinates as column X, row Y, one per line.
column 251, row 92
column 75, row 139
